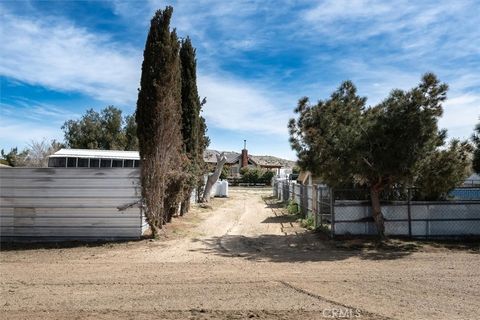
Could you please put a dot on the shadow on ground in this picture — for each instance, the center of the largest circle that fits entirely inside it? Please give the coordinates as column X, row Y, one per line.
column 287, row 218
column 307, row 247
column 311, row 247
column 23, row 246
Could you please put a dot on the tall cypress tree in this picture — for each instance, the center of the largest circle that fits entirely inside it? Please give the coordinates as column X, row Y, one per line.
column 193, row 125
column 159, row 116
column 190, row 98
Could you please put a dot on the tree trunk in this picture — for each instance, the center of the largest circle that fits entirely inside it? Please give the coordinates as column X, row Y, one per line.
column 155, row 231
column 185, row 205
column 221, row 159
column 377, row 212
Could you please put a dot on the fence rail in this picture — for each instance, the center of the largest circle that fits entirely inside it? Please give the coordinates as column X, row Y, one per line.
column 346, row 212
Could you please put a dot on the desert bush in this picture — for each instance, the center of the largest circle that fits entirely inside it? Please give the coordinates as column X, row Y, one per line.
column 292, row 208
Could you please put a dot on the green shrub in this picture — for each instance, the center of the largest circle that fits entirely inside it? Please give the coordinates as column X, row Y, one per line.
column 267, row 177
column 251, row 175
column 292, row 208
column 323, row 229
column 256, row 175
column 308, row 223
column 225, row 173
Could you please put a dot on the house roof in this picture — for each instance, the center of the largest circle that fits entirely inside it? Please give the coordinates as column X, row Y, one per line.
column 209, row 156
column 101, row 154
column 234, row 157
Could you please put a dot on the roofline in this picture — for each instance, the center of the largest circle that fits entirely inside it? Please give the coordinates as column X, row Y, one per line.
column 96, row 154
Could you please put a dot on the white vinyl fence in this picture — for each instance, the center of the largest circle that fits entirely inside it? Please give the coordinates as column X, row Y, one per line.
column 52, row 204
column 415, row 219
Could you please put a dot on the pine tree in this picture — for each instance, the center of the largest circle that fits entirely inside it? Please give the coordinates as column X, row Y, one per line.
column 380, row 147
column 158, row 116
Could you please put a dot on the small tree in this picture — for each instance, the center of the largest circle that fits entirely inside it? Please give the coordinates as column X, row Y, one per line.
column 39, row 151
column 379, row 147
column 158, row 117
column 268, row 176
column 35, row 155
column 443, row 170
column 130, row 129
column 225, row 173
column 102, row 130
column 14, row 158
column 251, row 175
column 398, row 134
column 326, row 135
column 85, row 133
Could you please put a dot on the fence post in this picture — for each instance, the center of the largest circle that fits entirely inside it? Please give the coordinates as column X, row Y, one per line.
column 286, row 191
column 315, row 205
column 293, row 191
column 332, row 212
column 301, row 201
column 305, row 201
column 320, row 206
column 409, row 195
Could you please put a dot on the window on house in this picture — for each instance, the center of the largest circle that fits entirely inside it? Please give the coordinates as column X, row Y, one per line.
column 94, row 163
column 71, row 162
column 82, row 163
column 116, row 163
column 106, row 163
column 137, row 163
column 57, row 162
column 128, row 163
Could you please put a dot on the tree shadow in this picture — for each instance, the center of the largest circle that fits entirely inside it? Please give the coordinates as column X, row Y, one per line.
column 305, row 247
column 52, row 245
column 275, row 205
column 287, row 218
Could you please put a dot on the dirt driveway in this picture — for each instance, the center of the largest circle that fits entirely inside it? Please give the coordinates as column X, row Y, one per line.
column 243, row 259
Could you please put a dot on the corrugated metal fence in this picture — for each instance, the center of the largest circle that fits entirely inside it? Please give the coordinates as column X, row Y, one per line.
column 51, row 204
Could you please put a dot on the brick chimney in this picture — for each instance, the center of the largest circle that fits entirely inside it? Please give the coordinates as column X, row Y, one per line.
column 244, row 162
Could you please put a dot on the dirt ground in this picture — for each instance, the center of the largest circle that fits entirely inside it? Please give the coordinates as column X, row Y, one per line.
column 242, row 258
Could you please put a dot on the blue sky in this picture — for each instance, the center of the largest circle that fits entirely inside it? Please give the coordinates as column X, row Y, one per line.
column 255, row 60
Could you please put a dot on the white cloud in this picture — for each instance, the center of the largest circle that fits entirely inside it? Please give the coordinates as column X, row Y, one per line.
column 240, row 106
column 460, row 114
column 376, row 79
column 416, row 37
column 342, row 9
column 19, row 132
column 60, row 56
column 24, row 108
column 417, row 28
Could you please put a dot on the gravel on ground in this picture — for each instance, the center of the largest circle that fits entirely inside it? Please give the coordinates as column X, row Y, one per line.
column 241, row 258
